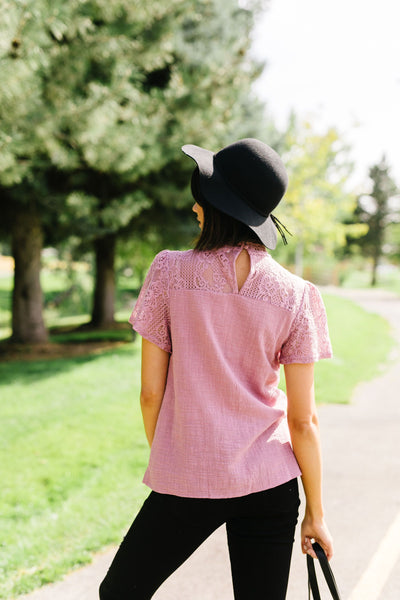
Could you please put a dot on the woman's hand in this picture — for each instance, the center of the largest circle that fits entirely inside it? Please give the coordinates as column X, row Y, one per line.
column 315, row 529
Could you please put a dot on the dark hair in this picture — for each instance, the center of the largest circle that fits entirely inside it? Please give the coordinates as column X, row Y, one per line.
column 219, row 229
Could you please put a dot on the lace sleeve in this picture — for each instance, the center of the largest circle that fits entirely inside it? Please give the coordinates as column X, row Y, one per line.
column 308, row 339
column 151, row 315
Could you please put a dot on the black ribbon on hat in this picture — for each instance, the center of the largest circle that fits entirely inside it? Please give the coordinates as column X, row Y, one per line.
column 280, row 227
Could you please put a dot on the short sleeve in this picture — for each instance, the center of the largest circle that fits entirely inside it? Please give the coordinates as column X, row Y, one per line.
column 308, row 340
column 151, row 314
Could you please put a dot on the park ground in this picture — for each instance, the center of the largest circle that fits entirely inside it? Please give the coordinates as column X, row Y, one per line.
column 362, row 497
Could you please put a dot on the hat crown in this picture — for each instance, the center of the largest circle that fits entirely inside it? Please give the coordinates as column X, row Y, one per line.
column 253, row 171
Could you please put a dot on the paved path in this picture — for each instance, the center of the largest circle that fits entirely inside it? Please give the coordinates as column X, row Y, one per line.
column 362, row 497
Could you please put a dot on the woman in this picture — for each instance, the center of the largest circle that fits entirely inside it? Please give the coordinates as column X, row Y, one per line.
column 226, row 444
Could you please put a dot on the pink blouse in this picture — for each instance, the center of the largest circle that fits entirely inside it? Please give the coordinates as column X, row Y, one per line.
column 222, row 430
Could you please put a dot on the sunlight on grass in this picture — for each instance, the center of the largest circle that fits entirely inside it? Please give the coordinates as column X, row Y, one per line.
column 361, row 343
column 73, row 453
column 74, row 310
column 388, row 278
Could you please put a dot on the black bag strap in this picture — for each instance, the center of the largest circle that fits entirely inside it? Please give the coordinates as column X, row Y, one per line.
column 327, row 571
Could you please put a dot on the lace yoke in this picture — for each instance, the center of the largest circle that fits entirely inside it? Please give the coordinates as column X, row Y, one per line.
column 222, row 429
column 213, row 272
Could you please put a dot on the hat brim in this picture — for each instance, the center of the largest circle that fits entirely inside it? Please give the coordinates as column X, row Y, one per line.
column 222, row 197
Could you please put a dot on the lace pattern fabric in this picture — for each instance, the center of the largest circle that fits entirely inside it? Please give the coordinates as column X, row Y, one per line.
column 151, row 315
column 214, row 273
column 308, row 339
column 222, row 429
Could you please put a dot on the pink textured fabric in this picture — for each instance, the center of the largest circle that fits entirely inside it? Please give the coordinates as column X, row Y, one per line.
column 222, row 430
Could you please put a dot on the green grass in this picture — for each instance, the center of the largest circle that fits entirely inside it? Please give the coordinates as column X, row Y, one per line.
column 388, row 278
column 72, row 450
column 73, row 307
column 5, row 305
column 72, row 457
column 361, row 344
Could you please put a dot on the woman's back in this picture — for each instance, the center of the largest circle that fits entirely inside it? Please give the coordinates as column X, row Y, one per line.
column 217, row 322
column 242, row 267
column 228, row 325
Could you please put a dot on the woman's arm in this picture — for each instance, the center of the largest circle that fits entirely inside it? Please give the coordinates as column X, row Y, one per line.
column 155, row 363
column 304, row 431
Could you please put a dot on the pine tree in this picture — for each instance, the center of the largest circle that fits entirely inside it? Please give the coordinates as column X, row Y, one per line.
column 376, row 212
column 97, row 98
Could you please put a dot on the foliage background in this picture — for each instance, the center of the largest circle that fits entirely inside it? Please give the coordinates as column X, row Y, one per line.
column 96, row 99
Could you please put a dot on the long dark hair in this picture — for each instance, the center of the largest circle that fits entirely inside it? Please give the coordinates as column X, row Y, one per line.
column 219, row 229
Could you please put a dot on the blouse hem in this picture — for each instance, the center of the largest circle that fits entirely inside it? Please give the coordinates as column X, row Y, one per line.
column 160, row 489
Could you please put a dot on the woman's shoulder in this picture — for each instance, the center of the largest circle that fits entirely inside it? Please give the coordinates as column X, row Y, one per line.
column 284, row 276
column 170, row 261
column 169, row 257
column 280, row 285
column 166, row 255
column 295, row 282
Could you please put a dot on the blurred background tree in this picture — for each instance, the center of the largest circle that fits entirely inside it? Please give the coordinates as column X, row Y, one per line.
column 97, row 98
column 380, row 211
column 318, row 198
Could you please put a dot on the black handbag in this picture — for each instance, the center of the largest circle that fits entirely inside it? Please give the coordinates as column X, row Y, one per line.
column 327, row 571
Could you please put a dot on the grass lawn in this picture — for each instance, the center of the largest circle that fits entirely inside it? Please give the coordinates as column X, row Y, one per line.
column 361, row 344
column 72, row 456
column 388, row 278
column 72, row 451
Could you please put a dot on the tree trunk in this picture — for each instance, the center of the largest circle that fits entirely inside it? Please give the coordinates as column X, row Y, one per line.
column 104, row 291
column 299, row 259
column 27, row 301
column 375, row 263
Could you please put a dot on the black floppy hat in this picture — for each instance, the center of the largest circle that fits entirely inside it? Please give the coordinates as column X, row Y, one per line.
column 246, row 180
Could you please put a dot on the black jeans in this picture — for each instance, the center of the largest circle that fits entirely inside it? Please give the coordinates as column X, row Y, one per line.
column 168, row 529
